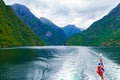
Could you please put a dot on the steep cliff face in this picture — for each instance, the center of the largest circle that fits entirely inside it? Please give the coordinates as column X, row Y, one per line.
column 13, row 32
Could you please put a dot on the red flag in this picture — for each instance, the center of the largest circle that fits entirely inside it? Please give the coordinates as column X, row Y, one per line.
column 100, row 68
column 100, row 72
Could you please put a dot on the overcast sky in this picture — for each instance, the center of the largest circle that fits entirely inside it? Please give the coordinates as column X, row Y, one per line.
column 82, row 13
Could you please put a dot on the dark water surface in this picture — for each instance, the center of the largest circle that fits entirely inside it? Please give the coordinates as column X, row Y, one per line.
column 57, row 63
column 112, row 53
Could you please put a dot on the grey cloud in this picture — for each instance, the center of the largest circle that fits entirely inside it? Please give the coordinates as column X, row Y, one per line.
column 62, row 10
column 40, row 4
column 53, row 8
column 79, row 12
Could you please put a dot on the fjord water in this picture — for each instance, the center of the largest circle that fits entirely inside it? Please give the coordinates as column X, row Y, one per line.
column 58, row 63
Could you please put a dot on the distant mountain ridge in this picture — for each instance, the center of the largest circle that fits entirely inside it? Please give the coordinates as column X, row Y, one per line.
column 50, row 34
column 13, row 32
column 57, row 30
column 115, row 11
column 104, row 32
column 70, row 30
column 45, row 21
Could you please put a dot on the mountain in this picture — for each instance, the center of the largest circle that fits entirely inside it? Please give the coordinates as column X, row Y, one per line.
column 104, row 32
column 70, row 30
column 59, row 33
column 13, row 32
column 46, row 30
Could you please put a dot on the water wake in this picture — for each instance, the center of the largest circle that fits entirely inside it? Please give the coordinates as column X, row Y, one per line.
column 81, row 64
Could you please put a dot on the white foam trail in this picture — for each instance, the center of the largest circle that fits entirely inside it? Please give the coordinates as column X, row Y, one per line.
column 81, row 65
column 112, row 70
column 67, row 70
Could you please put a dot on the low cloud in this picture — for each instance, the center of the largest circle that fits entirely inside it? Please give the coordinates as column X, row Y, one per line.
column 82, row 13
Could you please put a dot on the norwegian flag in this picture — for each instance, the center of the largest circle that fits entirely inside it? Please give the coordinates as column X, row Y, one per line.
column 100, row 69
